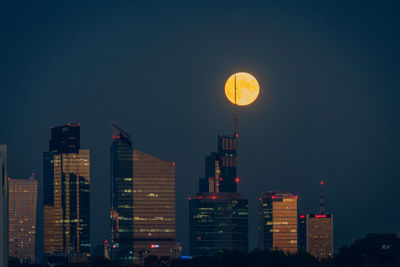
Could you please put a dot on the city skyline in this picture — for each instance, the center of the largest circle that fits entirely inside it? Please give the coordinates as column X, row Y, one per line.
column 327, row 107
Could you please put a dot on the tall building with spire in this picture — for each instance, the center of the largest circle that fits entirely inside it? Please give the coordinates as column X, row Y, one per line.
column 218, row 215
column 3, row 206
column 121, row 167
column 22, row 200
column 316, row 232
column 66, row 188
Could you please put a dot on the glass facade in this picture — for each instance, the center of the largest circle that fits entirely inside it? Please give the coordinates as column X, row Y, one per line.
column 278, row 222
column 218, row 222
column 154, row 207
column 121, row 196
column 3, row 206
column 22, row 200
column 317, row 232
column 66, row 186
column 218, row 216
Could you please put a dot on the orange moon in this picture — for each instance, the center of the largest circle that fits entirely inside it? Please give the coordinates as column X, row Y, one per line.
column 245, row 86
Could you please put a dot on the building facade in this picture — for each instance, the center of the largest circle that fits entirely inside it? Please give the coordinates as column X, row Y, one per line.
column 121, row 166
column 218, row 222
column 154, row 228
column 22, row 200
column 66, row 188
column 3, row 206
column 218, row 215
column 278, row 222
column 316, row 233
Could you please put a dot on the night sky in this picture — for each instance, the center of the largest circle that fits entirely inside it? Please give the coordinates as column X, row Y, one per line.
column 328, row 105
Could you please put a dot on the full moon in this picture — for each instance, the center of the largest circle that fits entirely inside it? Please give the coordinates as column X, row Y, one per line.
column 245, row 86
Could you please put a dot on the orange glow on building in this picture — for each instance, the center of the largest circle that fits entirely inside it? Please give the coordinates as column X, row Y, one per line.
column 22, row 199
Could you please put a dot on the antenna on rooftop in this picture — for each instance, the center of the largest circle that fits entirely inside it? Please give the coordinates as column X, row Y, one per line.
column 321, row 204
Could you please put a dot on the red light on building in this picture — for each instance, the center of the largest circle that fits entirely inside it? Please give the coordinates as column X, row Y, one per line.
column 154, row 246
column 320, row 216
column 173, row 163
column 8, row 178
column 220, row 179
column 199, row 197
column 116, row 137
column 236, row 135
column 302, row 216
column 105, row 241
column 321, row 183
column 237, row 180
column 213, row 197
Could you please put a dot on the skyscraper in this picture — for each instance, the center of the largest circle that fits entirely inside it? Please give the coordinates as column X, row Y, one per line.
column 22, row 200
column 218, row 215
column 121, row 196
column 317, row 232
column 66, row 188
column 154, row 206
column 278, row 221
column 3, row 206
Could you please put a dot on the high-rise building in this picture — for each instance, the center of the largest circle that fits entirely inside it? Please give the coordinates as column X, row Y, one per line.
column 66, row 188
column 316, row 233
column 121, row 196
column 154, row 228
column 218, row 222
column 218, row 215
column 278, row 222
column 3, row 207
column 22, row 200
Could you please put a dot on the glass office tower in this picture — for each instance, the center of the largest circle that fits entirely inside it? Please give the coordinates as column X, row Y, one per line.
column 218, row 215
column 154, row 207
column 3, row 206
column 66, row 188
column 316, row 233
column 22, row 199
column 218, row 222
column 278, row 222
column 121, row 196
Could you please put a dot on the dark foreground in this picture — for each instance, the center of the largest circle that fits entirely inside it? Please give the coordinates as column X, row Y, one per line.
column 373, row 250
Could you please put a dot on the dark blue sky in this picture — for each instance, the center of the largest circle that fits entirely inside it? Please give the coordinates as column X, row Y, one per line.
column 328, row 106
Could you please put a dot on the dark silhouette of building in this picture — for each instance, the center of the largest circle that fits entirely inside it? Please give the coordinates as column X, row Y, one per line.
column 3, row 206
column 121, row 196
column 218, row 216
column 278, row 222
column 66, row 188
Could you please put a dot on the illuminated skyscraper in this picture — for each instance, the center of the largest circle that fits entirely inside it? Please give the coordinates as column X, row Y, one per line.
column 317, row 232
column 66, row 187
column 22, row 197
column 278, row 222
column 121, row 196
column 3, row 207
column 154, row 206
column 218, row 216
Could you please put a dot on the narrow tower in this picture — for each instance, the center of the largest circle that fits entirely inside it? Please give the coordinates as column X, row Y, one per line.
column 66, row 193
column 121, row 167
column 3, row 206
